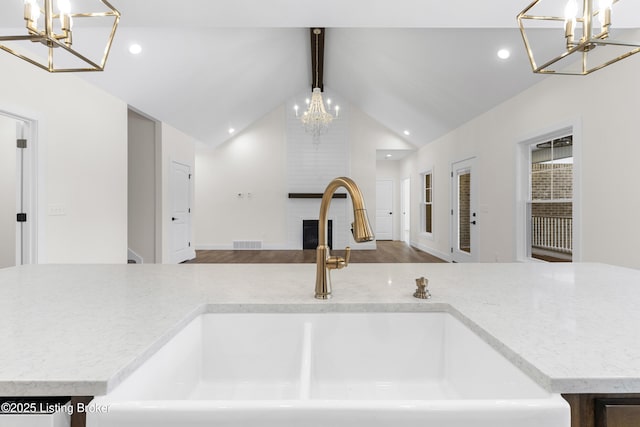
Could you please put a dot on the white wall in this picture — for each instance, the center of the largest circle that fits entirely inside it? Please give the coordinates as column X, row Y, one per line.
column 82, row 148
column 260, row 161
column 240, row 187
column 142, row 186
column 176, row 146
column 604, row 107
column 7, row 192
column 367, row 136
column 437, row 158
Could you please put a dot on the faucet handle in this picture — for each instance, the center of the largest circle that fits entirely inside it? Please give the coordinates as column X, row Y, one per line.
column 334, row 262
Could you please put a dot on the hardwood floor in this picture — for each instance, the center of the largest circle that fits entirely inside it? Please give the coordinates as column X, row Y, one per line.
column 387, row 251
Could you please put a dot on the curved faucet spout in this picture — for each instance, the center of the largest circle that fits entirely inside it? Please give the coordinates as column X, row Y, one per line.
column 360, row 229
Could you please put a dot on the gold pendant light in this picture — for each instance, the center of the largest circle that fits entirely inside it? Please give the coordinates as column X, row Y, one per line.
column 51, row 42
column 586, row 37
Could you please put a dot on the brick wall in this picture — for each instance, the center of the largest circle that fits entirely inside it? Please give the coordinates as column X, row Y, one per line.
column 464, row 230
column 552, row 210
column 548, row 182
column 551, row 181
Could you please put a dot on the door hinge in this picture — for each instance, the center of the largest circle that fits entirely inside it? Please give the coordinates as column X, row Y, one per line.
column 451, row 174
column 21, row 217
column 21, row 143
column 451, row 211
column 189, row 244
column 189, row 210
column 451, row 250
column 189, row 176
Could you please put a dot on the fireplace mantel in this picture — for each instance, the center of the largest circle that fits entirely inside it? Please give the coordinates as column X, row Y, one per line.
column 315, row 195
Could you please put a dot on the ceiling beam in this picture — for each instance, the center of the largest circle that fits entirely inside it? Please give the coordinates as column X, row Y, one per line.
column 317, row 57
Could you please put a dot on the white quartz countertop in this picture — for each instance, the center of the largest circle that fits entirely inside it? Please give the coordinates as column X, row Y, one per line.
column 79, row 330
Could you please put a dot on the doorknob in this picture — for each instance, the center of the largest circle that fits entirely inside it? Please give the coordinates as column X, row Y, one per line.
column 390, row 213
column 173, row 218
column 473, row 222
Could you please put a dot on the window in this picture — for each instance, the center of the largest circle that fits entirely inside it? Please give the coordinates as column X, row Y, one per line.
column 550, row 204
column 427, row 210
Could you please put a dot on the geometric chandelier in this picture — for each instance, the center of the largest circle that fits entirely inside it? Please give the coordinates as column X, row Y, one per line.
column 585, row 37
column 60, row 37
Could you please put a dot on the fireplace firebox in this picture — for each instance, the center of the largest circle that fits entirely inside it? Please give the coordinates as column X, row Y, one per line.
column 310, row 234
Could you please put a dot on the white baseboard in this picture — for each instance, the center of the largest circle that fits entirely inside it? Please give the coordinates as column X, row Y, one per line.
column 229, row 247
column 213, row 247
column 365, row 246
column 431, row 251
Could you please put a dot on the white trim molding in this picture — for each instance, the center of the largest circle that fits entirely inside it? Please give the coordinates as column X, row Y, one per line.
column 431, row 251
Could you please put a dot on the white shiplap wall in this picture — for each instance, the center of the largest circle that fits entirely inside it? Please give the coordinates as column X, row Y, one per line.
column 311, row 166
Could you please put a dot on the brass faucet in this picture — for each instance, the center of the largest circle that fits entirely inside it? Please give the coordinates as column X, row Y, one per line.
column 360, row 229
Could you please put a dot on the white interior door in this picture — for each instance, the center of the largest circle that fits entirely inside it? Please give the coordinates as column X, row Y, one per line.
column 464, row 218
column 181, row 249
column 10, row 241
column 406, row 211
column 384, row 210
column 18, row 191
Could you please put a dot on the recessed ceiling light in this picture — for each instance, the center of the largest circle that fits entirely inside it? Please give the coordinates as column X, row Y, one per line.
column 406, row 132
column 504, row 54
column 135, row 49
column 388, row 156
column 231, row 130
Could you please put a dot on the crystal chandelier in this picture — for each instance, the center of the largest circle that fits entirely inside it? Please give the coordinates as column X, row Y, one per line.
column 316, row 119
column 590, row 41
column 49, row 39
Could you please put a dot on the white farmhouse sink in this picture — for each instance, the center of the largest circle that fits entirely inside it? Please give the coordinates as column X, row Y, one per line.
column 330, row 369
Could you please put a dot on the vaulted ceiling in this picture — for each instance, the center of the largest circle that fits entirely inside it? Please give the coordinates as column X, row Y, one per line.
column 421, row 65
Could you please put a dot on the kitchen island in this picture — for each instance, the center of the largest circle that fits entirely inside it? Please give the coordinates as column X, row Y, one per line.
column 80, row 330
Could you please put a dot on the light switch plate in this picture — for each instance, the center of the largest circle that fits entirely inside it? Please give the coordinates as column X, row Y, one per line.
column 56, row 210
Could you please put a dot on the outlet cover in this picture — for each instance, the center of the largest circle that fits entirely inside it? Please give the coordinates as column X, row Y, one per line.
column 56, row 210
